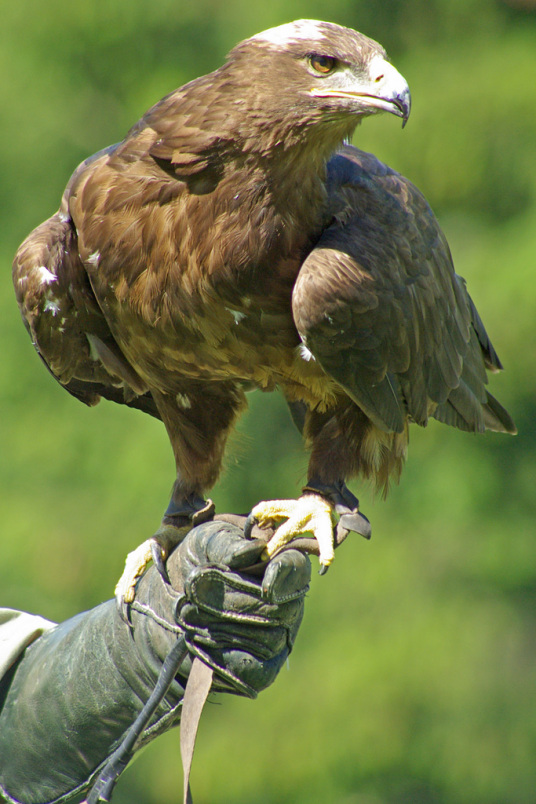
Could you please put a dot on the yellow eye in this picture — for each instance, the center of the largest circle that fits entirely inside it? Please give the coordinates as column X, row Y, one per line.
column 323, row 64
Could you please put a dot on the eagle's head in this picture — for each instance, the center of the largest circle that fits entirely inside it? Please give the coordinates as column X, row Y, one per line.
column 309, row 73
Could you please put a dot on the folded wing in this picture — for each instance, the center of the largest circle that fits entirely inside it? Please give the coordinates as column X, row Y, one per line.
column 63, row 317
column 379, row 306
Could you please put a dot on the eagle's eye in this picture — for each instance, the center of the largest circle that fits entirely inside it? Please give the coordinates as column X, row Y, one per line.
column 322, row 64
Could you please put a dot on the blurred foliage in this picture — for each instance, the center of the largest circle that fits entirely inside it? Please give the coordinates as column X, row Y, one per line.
column 413, row 677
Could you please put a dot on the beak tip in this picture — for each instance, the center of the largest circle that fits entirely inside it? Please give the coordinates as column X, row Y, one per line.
column 405, row 105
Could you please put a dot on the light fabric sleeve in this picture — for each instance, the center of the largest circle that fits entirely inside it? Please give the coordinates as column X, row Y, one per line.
column 18, row 629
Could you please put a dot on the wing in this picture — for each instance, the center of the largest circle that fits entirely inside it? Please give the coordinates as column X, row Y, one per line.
column 379, row 306
column 64, row 320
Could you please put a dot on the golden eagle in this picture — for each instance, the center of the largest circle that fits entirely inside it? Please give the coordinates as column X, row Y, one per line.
column 235, row 240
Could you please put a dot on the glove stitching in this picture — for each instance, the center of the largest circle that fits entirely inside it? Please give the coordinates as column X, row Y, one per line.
column 147, row 611
column 193, row 635
column 225, row 641
column 235, row 582
column 163, row 722
column 290, row 596
column 221, row 672
column 234, row 616
column 227, row 576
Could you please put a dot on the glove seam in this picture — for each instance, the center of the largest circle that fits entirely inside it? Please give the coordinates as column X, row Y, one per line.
column 147, row 611
column 192, row 595
column 221, row 672
column 235, row 582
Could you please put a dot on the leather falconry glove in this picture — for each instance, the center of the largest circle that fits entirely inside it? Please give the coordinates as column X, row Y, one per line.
column 74, row 693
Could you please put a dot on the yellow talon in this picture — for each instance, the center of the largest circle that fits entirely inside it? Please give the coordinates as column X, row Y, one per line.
column 158, row 548
column 135, row 565
column 310, row 514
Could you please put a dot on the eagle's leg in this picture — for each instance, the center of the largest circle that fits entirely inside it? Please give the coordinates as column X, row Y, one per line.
column 185, row 511
column 345, row 505
column 198, row 420
column 335, row 437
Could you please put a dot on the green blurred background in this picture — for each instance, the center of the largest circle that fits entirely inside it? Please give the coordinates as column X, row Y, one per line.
column 413, row 677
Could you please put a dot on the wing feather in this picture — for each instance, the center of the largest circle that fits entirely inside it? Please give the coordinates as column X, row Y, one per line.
column 378, row 304
column 65, row 322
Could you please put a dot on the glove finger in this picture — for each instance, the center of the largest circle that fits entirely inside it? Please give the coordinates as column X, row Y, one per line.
column 286, row 577
column 213, row 542
column 246, row 554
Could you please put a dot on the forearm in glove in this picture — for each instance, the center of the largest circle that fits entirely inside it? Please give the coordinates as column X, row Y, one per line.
column 68, row 701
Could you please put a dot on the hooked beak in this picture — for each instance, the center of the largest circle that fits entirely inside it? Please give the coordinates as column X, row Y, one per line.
column 385, row 90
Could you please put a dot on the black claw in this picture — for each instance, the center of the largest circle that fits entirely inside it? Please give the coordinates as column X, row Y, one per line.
column 159, row 562
column 249, row 524
column 323, row 569
column 123, row 609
